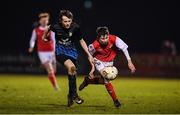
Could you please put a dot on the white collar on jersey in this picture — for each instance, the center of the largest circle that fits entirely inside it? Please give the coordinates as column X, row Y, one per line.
column 42, row 28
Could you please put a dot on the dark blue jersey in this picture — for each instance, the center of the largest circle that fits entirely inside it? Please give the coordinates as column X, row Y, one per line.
column 66, row 38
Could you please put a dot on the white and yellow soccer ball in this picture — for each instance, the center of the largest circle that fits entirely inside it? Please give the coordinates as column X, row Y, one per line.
column 110, row 73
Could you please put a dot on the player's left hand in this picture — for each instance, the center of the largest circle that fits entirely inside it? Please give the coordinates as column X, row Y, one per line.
column 131, row 66
column 30, row 50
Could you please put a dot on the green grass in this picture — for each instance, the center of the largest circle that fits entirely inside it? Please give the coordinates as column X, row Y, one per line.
column 34, row 94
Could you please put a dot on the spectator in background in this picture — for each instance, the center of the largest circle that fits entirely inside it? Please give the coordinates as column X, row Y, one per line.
column 169, row 52
column 168, row 47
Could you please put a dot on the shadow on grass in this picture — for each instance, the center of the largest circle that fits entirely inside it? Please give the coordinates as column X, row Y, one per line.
column 83, row 106
column 55, row 105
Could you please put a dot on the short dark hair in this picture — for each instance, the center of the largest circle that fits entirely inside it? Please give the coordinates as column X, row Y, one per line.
column 102, row 31
column 66, row 13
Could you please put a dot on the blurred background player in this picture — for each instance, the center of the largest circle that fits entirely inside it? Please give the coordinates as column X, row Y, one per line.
column 104, row 50
column 66, row 34
column 169, row 52
column 45, row 49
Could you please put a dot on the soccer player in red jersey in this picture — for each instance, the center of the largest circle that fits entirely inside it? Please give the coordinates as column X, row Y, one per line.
column 45, row 49
column 104, row 49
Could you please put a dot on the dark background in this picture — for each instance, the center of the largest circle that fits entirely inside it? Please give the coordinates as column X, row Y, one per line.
column 142, row 24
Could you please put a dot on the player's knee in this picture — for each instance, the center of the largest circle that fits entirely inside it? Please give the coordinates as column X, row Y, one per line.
column 54, row 68
column 49, row 68
column 72, row 70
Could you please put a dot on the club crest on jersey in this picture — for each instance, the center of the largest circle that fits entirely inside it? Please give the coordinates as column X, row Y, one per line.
column 70, row 34
column 91, row 47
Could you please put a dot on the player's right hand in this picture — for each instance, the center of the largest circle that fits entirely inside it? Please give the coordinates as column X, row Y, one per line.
column 30, row 50
column 131, row 66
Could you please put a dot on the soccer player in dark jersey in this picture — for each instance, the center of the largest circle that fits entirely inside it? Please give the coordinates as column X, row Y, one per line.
column 66, row 34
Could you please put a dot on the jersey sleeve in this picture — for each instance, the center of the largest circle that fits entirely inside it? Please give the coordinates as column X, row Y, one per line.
column 53, row 39
column 120, row 44
column 123, row 46
column 33, row 39
column 91, row 49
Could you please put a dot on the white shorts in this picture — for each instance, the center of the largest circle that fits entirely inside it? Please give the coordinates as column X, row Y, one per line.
column 47, row 57
column 100, row 65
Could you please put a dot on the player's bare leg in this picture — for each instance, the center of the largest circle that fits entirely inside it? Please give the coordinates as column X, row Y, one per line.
column 51, row 75
column 72, row 83
column 54, row 66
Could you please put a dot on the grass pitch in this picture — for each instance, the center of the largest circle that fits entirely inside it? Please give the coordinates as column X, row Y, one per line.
column 34, row 94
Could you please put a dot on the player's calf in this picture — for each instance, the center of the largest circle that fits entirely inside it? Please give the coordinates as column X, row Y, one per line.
column 112, row 93
column 87, row 81
column 51, row 75
column 84, row 83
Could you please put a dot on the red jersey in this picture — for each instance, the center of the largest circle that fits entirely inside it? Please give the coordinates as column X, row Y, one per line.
column 107, row 53
column 42, row 45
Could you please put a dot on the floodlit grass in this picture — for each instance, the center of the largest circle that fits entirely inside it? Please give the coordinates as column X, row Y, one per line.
column 34, row 94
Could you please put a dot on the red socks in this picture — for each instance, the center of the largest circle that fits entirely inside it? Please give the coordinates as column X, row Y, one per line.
column 111, row 91
column 53, row 80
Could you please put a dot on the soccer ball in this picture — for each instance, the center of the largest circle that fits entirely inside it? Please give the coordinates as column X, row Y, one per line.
column 110, row 73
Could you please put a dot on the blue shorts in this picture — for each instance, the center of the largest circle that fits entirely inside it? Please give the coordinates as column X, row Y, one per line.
column 70, row 50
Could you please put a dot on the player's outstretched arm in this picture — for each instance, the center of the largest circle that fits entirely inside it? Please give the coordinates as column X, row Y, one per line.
column 85, row 48
column 91, row 73
column 32, row 42
column 123, row 46
column 90, row 58
column 131, row 66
